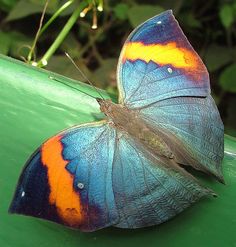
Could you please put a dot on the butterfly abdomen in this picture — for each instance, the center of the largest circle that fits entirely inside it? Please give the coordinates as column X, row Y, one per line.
column 154, row 142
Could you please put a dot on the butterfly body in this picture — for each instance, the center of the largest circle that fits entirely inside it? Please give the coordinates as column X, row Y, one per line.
column 129, row 122
column 126, row 170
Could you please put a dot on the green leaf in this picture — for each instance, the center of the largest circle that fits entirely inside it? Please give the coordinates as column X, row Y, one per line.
column 140, row 13
column 230, row 131
column 22, row 9
column 230, row 118
column 217, row 56
column 25, row 8
column 5, row 43
column 19, row 44
column 121, row 11
column 227, row 15
column 106, row 74
column 34, row 106
column 234, row 8
column 188, row 19
column 52, row 4
column 7, row 5
column 14, row 43
column 228, row 78
column 71, row 45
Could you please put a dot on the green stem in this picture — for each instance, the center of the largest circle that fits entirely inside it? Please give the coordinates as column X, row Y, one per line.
column 58, row 12
column 43, row 61
column 37, row 34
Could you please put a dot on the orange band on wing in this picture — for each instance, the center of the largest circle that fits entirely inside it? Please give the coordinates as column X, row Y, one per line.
column 62, row 195
column 162, row 54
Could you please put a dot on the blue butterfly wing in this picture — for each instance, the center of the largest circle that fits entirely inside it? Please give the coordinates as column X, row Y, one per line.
column 69, row 179
column 146, row 192
column 162, row 78
column 157, row 62
column 93, row 176
column 197, row 124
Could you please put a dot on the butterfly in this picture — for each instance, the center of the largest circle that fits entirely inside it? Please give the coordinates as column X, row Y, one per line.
column 128, row 170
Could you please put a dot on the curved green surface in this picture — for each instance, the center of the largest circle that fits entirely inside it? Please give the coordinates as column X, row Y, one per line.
column 35, row 104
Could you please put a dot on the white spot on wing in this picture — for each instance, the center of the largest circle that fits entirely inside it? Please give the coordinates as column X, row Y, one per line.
column 170, row 70
column 159, row 22
column 80, row 185
column 22, row 194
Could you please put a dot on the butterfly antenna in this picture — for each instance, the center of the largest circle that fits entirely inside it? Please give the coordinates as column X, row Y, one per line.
column 84, row 76
column 75, row 88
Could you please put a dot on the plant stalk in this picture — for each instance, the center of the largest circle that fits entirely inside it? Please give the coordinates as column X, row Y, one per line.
column 58, row 12
column 44, row 60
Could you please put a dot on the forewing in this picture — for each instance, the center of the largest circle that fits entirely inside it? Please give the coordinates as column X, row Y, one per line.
column 192, row 128
column 69, row 179
column 157, row 62
column 146, row 191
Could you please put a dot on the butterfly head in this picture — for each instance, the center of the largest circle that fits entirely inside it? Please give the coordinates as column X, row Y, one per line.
column 105, row 105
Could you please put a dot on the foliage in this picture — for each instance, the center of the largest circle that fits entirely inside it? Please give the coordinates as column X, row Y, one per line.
column 209, row 25
column 226, row 77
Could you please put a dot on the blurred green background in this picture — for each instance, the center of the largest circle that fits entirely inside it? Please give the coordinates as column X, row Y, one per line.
column 209, row 25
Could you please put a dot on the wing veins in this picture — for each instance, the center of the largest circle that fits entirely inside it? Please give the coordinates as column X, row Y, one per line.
column 144, row 172
column 165, row 98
